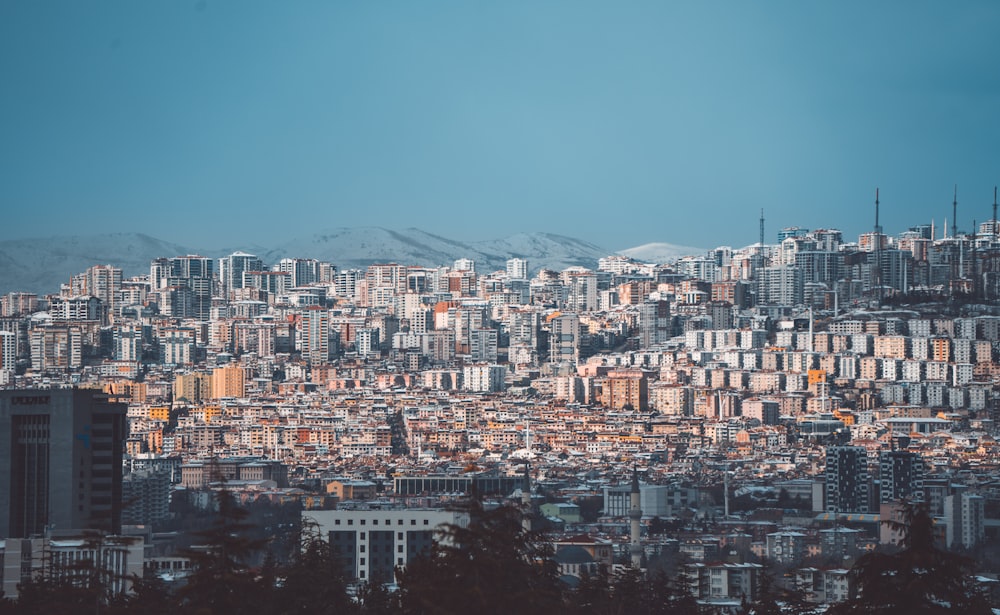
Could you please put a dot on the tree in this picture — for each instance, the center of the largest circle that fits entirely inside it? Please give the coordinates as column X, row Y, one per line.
column 491, row 565
column 919, row 578
column 313, row 581
column 593, row 594
column 222, row 581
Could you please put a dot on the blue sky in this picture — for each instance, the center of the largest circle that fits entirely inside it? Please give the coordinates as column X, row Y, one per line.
column 209, row 122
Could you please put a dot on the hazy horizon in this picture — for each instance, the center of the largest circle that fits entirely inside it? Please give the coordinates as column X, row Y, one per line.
column 619, row 125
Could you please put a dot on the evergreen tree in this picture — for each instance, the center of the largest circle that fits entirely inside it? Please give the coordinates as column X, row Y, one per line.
column 593, row 595
column 919, row 578
column 314, row 581
column 492, row 565
column 376, row 599
column 222, row 581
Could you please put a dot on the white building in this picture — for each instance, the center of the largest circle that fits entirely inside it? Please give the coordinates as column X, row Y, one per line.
column 372, row 542
column 485, row 378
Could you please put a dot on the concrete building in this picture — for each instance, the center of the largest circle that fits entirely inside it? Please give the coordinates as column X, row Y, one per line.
column 847, row 479
column 60, row 461
column 371, row 542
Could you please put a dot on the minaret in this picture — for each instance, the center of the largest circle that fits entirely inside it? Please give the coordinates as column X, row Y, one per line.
column 635, row 516
column 527, row 513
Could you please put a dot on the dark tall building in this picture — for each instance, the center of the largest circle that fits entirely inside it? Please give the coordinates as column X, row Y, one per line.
column 847, row 479
column 60, row 461
column 901, row 475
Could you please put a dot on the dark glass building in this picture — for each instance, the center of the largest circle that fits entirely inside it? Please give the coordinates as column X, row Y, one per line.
column 60, row 461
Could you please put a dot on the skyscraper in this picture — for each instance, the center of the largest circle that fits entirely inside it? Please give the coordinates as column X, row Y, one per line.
column 232, row 267
column 901, row 475
column 314, row 340
column 60, row 461
column 195, row 274
column 847, row 479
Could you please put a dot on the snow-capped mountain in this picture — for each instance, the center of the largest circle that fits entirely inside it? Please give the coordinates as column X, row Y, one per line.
column 40, row 265
column 359, row 247
column 660, row 252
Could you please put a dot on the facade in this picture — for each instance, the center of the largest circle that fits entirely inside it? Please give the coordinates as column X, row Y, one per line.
column 59, row 557
column 901, row 475
column 517, row 269
column 232, row 268
column 623, row 389
column 145, row 497
column 315, row 335
column 60, row 461
column 847, row 479
column 485, row 378
column 963, row 514
column 370, row 543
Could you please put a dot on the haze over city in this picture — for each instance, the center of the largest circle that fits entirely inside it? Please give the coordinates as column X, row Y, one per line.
column 213, row 122
column 548, row 307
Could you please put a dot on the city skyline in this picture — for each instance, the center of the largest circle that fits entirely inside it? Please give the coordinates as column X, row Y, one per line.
column 201, row 123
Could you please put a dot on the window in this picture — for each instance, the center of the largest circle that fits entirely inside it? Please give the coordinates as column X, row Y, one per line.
column 399, row 549
column 413, row 521
column 350, row 522
column 363, row 521
column 361, row 549
column 426, row 522
column 374, row 522
column 399, row 522
column 362, row 561
column 336, row 521
column 361, row 535
column 399, row 535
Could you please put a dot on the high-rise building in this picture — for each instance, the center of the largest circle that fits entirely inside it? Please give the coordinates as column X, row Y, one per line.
column 304, row 271
column 781, row 285
column 196, row 274
column 146, row 497
column 483, row 345
column 517, row 269
column 465, row 264
column 654, row 325
column 901, row 475
column 56, row 348
column 60, row 461
column 105, row 283
column 232, row 267
column 314, row 340
column 963, row 515
column 228, row 381
column 626, row 388
column 483, row 378
column 847, row 479
column 8, row 350
column 564, row 342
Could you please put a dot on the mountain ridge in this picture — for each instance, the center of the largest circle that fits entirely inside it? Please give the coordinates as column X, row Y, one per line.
column 41, row 264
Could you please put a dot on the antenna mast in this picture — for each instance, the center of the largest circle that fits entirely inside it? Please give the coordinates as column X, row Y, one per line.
column 762, row 226
column 954, row 214
column 878, row 252
column 878, row 229
column 995, row 230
